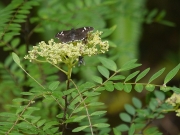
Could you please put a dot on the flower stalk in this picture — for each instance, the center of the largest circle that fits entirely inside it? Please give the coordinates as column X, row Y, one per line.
column 69, row 54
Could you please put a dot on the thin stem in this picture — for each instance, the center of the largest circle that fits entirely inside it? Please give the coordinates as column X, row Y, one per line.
column 32, row 77
column 65, row 98
column 20, row 115
column 90, row 123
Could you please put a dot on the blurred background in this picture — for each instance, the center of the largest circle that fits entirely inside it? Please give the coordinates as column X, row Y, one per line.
column 147, row 30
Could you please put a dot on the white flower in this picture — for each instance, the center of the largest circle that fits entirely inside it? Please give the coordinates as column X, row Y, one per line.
column 67, row 53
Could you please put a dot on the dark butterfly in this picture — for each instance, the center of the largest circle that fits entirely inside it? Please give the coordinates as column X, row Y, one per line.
column 73, row 34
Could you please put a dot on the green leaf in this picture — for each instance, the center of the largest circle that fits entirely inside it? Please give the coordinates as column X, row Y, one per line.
column 160, row 95
column 136, row 102
column 14, row 25
column 71, row 6
column 41, row 122
column 69, row 91
column 8, row 61
column 91, row 94
column 161, row 15
column 79, row 4
column 167, row 23
column 79, row 118
column 6, row 124
column 109, row 2
column 24, row 11
column 107, row 32
column 28, row 116
column 33, row 108
column 171, row 74
column 12, row 34
column 151, row 16
column 176, row 90
column 130, row 109
column 103, row 71
column 27, row 93
column 16, row 59
column 150, row 87
column 131, row 130
column 127, row 88
column 54, row 85
column 153, row 105
column 112, row 44
column 15, row 42
column 97, row 79
column 50, row 124
column 35, row 119
column 117, row 77
column 111, row 65
column 54, row 130
column 116, row 132
column 100, row 89
column 139, row 125
column 89, row 3
column 89, row 85
column 98, row 113
column 119, row 86
column 7, row 38
column 165, row 88
column 79, row 128
column 138, row 87
column 78, row 109
column 130, row 65
column 6, row 114
column 131, row 76
column 86, row 86
column 20, row 109
column 20, row 16
column 125, row 117
column 123, row 127
column 109, row 86
column 61, row 115
column 152, row 131
column 101, row 125
column 70, row 120
column 95, row 104
column 142, row 74
column 20, row 100
column 24, row 126
column 156, row 75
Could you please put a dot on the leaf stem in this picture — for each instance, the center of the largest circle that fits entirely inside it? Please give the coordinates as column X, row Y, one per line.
column 88, row 115
column 64, row 125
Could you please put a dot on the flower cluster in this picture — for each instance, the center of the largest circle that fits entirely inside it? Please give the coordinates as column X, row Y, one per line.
column 174, row 100
column 68, row 53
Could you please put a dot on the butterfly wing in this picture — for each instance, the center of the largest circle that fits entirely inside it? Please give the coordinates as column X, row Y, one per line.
column 64, row 36
column 74, row 34
column 81, row 33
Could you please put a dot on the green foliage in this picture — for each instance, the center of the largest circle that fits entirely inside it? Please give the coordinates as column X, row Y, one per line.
column 154, row 16
column 140, row 119
column 40, row 100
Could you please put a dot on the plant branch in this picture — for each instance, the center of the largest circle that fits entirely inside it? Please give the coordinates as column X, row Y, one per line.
column 19, row 117
column 90, row 123
column 65, row 98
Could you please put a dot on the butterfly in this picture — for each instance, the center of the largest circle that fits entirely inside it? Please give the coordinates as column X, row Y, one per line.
column 73, row 34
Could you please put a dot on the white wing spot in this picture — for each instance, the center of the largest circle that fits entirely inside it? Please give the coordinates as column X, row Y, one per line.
column 62, row 33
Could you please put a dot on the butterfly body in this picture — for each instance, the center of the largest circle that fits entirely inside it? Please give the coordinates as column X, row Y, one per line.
column 73, row 34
